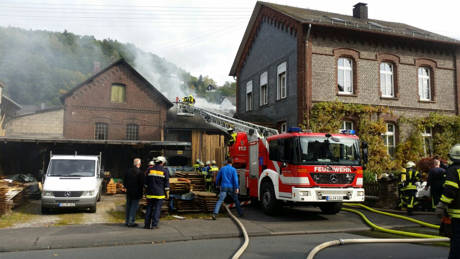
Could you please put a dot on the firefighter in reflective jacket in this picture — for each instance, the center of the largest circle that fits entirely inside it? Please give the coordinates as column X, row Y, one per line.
column 408, row 187
column 232, row 139
column 196, row 166
column 207, row 175
column 156, row 189
column 213, row 172
column 450, row 200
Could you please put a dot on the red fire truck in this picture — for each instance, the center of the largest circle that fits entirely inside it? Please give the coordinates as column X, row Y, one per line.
column 296, row 167
column 300, row 167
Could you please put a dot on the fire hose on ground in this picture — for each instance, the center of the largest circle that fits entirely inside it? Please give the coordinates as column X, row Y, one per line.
column 245, row 234
column 420, row 238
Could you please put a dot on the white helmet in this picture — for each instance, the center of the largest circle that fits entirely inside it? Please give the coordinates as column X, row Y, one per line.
column 454, row 152
column 410, row 164
column 161, row 159
column 208, row 162
column 151, row 163
column 213, row 162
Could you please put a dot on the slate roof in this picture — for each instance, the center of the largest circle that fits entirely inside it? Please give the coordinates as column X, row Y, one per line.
column 346, row 22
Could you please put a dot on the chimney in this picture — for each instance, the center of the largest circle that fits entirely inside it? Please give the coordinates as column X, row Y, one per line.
column 360, row 10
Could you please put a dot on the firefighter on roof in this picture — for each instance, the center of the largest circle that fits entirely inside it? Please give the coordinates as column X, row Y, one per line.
column 450, row 200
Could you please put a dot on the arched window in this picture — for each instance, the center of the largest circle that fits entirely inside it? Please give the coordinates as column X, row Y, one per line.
column 387, row 83
column 424, row 84
column 345, row 75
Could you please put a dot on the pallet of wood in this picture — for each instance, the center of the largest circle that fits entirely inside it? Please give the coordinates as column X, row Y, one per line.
column 186, row 206
column 179, row 185
column 206, row 200
column 111, row 187
column 197, row 180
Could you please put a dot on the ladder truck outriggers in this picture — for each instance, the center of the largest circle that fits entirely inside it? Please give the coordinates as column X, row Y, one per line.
column 292, row 168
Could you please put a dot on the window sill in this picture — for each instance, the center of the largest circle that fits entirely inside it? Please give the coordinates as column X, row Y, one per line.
column 347, row 95
column 389, row 98
column 281, row 99
column 426, row 101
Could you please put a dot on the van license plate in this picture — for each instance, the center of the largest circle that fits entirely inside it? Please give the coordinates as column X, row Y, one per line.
column 67, row 204
column 334, row 198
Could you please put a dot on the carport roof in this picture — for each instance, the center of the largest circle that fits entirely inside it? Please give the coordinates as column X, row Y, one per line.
column 155, row 144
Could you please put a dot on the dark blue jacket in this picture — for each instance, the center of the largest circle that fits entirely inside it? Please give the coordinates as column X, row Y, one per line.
column 156, row 182
column 227, row 177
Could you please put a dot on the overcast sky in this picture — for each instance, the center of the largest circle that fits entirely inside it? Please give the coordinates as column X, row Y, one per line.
column 201, row 36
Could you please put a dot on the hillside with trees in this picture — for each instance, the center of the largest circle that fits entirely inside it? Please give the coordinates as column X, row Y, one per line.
column 39, row 66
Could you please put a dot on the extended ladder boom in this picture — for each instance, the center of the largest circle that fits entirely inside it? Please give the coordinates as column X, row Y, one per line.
column 224, row 122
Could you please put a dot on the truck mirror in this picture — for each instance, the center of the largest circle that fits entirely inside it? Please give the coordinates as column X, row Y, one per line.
column 283, row 165
column 365, row 151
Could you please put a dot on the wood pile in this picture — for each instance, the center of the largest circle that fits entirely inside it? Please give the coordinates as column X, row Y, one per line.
column 179, row 185
column 197, row 180
column 11, row 195
column 111, row 187
column 186, row 206
column 120, row 188
column 206, row 200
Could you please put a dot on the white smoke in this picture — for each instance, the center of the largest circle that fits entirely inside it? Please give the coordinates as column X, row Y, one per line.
column 169, row 81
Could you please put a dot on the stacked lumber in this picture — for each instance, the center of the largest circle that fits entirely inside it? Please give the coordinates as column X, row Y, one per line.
column 196, row 179
column 4, row 204
column 206, row 200
column 179, row 185
column 186, row 206
column 111, row 187
column 120, row 188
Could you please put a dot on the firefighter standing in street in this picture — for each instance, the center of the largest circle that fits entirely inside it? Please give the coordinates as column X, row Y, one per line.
column 408, row 187
column 450, row 200
column 227, row 179
column 207, row 175
column 157, row 189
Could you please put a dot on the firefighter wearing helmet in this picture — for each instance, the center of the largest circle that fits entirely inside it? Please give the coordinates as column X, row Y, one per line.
column 196, row 166
column 449, row 205
column 408, row 188
column 156, row 190
column 213, row 172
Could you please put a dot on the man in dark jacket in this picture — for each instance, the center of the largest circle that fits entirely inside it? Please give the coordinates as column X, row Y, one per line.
column 227, row 179
column 436, row 178
column 157, row 189
column 134, row 184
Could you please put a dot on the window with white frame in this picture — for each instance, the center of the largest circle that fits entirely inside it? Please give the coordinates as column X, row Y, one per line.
column 424, row 83
column 263, row 88
column 389, row 138
column 345, row 75
column 283, row 127
column 346, row 125
column 249, row 96
column 427, row 136
column 387, row 80
column 281, row 86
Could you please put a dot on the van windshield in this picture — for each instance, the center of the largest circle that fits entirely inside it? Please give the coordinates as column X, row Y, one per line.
column 72, row 168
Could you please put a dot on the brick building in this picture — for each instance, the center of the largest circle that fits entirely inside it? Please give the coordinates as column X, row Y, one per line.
column 117, row 103
column 291, row 58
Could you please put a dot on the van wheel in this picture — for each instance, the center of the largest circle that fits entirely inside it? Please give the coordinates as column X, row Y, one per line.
column 45, row 210
column 268, row 200
column 92, row 209
column 331, row 208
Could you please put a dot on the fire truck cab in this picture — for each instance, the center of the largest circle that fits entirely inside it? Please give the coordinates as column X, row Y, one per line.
column 319, row 169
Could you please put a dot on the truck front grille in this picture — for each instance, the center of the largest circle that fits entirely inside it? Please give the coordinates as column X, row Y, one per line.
column 67, row 194
column 332, row 178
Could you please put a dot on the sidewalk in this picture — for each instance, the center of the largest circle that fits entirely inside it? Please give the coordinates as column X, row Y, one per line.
column 255, row 222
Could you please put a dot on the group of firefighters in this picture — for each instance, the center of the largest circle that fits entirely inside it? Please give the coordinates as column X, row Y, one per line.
column 208, row 171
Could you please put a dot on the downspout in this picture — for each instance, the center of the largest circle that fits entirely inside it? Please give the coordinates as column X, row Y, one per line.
column 306, row 79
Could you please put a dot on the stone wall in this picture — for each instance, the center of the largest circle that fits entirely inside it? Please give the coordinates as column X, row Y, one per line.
column 47, row 124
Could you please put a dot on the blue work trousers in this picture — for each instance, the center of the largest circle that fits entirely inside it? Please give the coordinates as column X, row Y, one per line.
column 152, row 215
column 224, row 191
column 454, row 252
column 131, row 210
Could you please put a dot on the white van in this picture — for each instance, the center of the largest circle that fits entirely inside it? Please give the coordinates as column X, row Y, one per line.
column 72, row 181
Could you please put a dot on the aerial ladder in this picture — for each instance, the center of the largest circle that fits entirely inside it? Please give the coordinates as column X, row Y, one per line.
column 224, row 122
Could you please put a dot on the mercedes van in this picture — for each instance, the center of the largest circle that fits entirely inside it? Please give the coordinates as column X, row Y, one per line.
column 72, row 181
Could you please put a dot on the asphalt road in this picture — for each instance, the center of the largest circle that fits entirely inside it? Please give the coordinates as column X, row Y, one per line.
column 294, row 246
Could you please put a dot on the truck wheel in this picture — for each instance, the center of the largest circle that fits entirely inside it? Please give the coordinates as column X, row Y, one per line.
column 92, row 209
column 268, row 200
column 331, row 207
